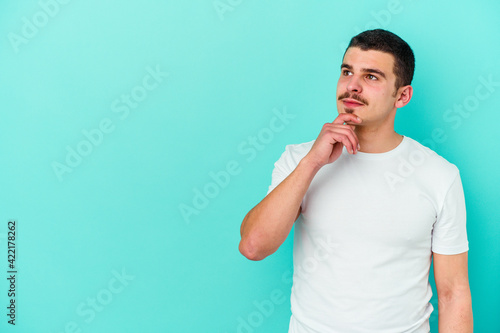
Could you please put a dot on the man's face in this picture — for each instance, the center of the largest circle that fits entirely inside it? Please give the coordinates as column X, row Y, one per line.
column 366, row 86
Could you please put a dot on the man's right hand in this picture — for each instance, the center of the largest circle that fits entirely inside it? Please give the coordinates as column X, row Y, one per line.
column 328, row 146
column 267, row 225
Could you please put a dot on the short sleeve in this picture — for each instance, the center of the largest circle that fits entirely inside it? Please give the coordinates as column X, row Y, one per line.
column 288, row 162
column 282, row 168
column 449, row 235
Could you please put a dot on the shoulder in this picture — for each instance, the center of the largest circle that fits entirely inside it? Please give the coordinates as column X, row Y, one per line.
column 294, row 153
column 429, row 163
column 300, row 148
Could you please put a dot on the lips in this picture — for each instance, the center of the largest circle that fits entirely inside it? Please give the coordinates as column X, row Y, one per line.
column 351, row 103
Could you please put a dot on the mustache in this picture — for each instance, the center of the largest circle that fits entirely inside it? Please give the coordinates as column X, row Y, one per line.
column 353, row 96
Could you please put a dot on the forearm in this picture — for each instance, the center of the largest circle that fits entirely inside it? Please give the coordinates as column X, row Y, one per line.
column 455, row 314
column 268, row 224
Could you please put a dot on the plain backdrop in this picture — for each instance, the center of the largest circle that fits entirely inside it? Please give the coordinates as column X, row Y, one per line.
column 136, row 135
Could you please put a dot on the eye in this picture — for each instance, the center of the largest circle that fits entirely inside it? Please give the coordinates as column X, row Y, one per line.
column 371, row 77
column 346, row 72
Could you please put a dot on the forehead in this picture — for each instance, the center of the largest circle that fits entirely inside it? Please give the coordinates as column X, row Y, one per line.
column 358, row 59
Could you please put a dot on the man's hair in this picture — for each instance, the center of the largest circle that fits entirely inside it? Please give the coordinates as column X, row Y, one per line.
column 386, row 41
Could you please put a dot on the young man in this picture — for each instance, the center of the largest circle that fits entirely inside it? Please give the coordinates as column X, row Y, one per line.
column 376, row 208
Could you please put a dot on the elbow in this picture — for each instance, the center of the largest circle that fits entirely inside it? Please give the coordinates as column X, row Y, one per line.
column 250, row 251
column 460, row 295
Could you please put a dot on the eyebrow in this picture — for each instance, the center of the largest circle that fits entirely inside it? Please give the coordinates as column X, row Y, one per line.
column 365, row 70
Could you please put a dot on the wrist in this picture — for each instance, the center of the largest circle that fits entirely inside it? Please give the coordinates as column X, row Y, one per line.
column 308, row 165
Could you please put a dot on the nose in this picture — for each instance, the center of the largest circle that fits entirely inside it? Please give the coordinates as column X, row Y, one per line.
column 354, row 85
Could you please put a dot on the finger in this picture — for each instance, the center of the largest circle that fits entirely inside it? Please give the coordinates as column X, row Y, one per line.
column 351, row 136
column 345, row 140
column 351, row 124
column 336, row 152
column 345, row 117
column 346, row 131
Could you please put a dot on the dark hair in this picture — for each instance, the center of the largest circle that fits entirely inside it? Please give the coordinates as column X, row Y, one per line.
column 386, row 41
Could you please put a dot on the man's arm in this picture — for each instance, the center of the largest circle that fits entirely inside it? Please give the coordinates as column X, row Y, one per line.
column 268, row 224
column 454, row 297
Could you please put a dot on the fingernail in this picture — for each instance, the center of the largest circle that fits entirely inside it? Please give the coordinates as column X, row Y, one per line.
column 359, row 118
column 359, row 147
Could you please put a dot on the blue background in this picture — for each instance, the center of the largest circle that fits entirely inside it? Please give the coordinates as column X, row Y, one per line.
column 222, row 68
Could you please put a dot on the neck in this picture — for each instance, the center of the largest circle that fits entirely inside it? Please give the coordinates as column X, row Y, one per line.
column 375, row 139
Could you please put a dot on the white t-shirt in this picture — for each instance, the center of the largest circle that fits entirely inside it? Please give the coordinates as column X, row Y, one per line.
column 363, row 244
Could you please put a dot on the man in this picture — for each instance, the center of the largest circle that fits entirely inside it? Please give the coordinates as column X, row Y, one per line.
column 376, row 208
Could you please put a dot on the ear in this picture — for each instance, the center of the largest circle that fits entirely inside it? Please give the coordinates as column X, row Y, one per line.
column 404, row 96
